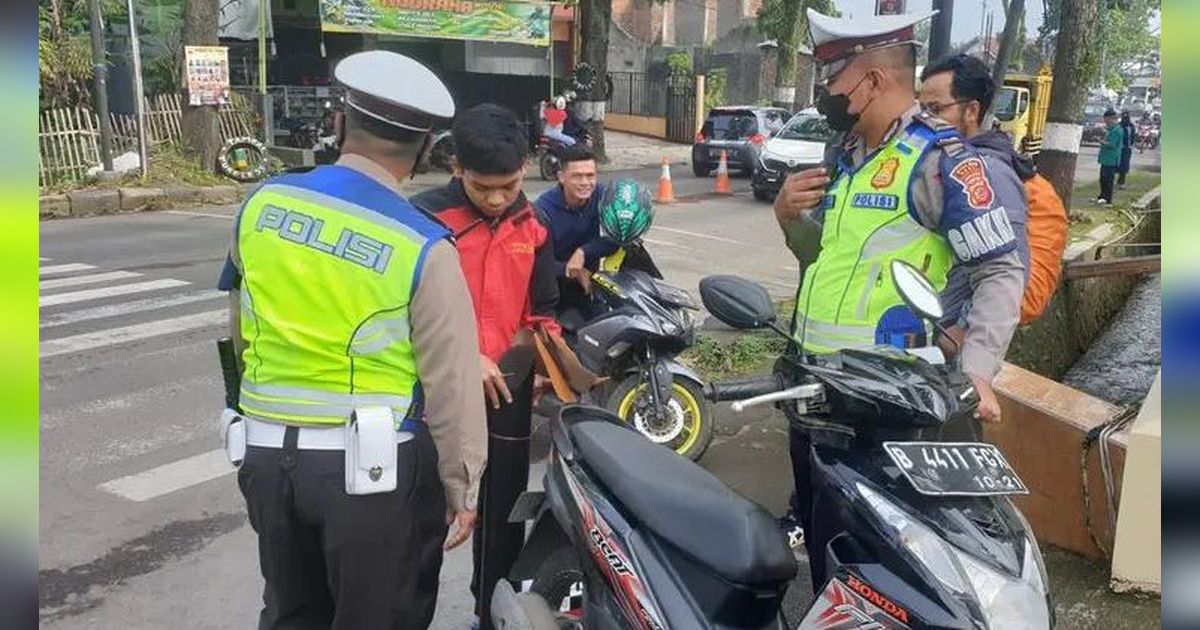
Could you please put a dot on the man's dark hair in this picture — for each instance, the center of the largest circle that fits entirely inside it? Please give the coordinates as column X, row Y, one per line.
column 971, row 80
column 575, row 153
column 490, row 140
column 404, row 143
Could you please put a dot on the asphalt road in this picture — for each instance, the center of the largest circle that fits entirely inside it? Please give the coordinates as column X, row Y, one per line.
column 142, row 525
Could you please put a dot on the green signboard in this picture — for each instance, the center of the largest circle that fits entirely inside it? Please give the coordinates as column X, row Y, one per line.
column 518, row 22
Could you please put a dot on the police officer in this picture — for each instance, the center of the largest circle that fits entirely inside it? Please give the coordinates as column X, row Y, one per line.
column 348, row 301
column 906, row 187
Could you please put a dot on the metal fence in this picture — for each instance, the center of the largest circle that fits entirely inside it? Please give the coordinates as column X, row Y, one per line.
column 636, row 94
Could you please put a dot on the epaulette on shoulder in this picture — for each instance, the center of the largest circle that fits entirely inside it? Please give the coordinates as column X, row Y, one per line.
column 946, row 137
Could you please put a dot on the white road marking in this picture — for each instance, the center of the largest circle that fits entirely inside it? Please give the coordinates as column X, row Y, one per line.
column 135, row 332
column 95, row 278
column 120, row 289
column 51, row 270
column 40, row 259
column 211, row 215
column 700, row 235
column 124, row 308
column 171, row 477
column 665, row 243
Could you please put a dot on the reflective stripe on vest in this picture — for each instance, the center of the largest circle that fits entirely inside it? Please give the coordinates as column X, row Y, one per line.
column 326, row 288
column 849, row 287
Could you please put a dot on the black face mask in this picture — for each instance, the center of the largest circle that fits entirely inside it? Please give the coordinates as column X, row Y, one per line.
column 836, row 109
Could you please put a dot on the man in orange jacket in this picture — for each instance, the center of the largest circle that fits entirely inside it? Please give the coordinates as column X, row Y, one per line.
column 508, row 260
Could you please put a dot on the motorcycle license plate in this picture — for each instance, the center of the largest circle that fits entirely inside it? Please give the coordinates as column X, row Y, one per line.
column 955, row 468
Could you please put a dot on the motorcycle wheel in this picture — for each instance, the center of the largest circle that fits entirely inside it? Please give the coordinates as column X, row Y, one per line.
column 691, row 427
column 559, row 581
column 547, row 166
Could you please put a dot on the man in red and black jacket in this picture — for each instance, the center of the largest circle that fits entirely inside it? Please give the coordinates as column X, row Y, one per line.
column 508, row 259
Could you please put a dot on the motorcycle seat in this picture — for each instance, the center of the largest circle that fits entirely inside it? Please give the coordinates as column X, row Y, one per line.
column 685, row 505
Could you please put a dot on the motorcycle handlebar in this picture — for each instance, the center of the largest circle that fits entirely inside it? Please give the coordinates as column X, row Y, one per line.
column 743, row 389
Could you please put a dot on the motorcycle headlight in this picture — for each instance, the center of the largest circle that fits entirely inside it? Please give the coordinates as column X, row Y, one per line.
column 1005, row 601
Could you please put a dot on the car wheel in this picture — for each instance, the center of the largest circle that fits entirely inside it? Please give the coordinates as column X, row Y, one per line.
column 701, row 170
column 763, row 195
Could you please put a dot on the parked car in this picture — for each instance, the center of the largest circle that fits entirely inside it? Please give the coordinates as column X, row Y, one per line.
column 1093, row 122
column 739, row 131
column 799, row 145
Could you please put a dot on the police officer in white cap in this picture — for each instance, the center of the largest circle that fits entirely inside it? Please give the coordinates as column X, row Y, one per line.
column 906, row 187
column 363, row 417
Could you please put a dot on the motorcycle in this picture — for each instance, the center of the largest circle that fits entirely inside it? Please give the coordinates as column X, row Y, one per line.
column 547, row 153
column 440, row 155
column 1147, row 137
column 919, row 534
column 643, row 325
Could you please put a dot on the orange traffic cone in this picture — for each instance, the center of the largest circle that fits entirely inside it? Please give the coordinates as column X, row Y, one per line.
column 666, row 190
column 723, row 175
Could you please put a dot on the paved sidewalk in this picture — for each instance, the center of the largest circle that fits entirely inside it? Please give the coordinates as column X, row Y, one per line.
column 628, row 151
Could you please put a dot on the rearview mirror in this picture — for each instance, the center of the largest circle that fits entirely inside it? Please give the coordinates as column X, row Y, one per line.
column 737, row 302
column 916, row 290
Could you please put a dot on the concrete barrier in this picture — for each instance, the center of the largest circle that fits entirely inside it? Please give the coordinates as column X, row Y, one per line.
column 1042, row 435
column 1137, row 552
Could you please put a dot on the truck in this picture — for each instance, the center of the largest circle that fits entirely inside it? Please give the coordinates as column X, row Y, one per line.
column 1022, row 104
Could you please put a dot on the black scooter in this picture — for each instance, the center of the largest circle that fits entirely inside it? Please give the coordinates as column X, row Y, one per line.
column 921, row 534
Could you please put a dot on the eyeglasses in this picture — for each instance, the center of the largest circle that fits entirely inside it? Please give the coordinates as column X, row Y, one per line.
column 937, row 108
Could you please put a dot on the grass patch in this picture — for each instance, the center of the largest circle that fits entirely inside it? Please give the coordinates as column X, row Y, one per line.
column 739, row 353
column 170, row 165
column 1085, row 214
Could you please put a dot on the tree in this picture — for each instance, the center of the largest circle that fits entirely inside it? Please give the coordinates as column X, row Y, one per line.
column 786, row 22
column 594, row 19
column 64, row 51
column 1124, row 37
column 1075, row 54
column 199, row 124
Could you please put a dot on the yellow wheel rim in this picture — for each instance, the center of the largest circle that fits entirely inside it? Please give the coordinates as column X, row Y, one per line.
column 690, row 431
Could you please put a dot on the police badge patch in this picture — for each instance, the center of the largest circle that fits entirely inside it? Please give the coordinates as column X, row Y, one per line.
column 886, row 173
column 970, row 174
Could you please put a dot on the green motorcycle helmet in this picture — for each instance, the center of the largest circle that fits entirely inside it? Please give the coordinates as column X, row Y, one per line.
column 626, row 211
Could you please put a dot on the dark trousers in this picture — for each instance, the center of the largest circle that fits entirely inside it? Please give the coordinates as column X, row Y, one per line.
column 498, row 542
column 802, row 506
column 1107, row 174
column 333, row 560
column 1123, row 168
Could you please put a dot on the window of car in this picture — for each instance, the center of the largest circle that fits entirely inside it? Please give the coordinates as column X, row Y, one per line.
column 776, row 119
column 807, row 127
column 730, row 125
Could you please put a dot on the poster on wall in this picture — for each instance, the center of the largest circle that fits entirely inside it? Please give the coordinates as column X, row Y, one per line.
column 207, row 74
column 514, row 22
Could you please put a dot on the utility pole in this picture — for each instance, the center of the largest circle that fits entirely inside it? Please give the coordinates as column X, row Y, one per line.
column 939, row 34
column 139, row 91
column 100, row 85
column 1075, row 43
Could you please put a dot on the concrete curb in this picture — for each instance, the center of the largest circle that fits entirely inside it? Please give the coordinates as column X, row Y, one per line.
column 102, row 201
column 1149, row 201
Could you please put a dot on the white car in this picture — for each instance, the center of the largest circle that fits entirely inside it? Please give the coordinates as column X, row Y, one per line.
column 799, row 145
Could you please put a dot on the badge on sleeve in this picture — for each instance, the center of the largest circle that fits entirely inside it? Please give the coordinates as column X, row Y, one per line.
column 886, row 173
column 970, row 174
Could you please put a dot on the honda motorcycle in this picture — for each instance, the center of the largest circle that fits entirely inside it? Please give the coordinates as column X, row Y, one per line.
column 917, row 534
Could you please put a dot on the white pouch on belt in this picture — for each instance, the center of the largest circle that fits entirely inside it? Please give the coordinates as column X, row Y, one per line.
column 371, row 451
column 233, row 436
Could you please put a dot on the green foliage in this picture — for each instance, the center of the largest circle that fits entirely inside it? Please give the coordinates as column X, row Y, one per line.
column 786, row 22
column 714, row 88
column 679, row 63
column 1123, row 37
column 160, row 29
column 747, row 353
column 65, row 50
